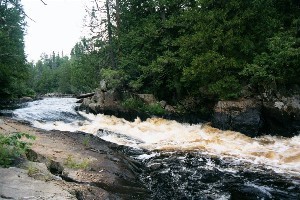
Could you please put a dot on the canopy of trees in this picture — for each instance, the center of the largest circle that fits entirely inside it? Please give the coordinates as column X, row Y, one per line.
column 205, row 49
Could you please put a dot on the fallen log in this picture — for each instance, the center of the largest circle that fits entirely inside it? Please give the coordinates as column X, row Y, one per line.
column 79, row 101
column 85, row 95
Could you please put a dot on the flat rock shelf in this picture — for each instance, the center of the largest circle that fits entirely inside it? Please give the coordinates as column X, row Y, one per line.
column 76, row 166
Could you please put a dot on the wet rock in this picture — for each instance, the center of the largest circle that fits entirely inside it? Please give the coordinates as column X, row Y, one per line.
column 242, row 115
column 79, row 101
column 93, row 107
column 98, row 97
column 249, row 192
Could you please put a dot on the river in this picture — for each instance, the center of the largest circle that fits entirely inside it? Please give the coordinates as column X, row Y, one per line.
column 184, row 161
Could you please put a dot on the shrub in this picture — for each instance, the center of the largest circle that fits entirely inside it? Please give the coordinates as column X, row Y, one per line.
column 138, row 104
column 12, row 147
column 132, row 103
column 155, row 109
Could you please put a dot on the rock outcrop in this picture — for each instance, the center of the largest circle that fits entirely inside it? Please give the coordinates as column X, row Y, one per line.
column 65, row 165
column 16, row 184
column 25, row 99
column 282, row 115
column 101, row 101
column 243, row 115
column 277, row 115
column 108, row 101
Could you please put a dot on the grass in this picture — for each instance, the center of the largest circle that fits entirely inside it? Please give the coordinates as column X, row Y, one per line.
column 31, row 170
column 86, row 141
column 71, row 163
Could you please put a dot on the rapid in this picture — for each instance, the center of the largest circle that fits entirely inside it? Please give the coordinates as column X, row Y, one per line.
column 185, row 161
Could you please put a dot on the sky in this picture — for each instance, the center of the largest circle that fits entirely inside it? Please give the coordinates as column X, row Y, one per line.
column 57, row 27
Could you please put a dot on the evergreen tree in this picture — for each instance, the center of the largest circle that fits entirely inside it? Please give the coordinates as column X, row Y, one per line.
column 13, row 68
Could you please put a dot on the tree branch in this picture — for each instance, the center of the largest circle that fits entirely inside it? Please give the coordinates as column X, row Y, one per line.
column 43, row 2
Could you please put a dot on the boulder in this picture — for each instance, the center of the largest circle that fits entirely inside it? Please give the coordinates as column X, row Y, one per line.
column 99, row 96
column 147, row 98
column 25, row 99
column 282, row 115
column 103, row 86
column 93, row 107
column 100, row 101
column 163, row 104
column 86, row 101
column 110, row 98
column 243, row 115
column 170, row 109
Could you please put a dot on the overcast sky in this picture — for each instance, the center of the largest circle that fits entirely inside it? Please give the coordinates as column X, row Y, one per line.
column 57, row 27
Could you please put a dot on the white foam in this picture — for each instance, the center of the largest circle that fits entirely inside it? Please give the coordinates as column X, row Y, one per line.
column 277, row 153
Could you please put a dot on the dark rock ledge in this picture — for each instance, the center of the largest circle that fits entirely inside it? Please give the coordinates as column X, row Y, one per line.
column 257, row 116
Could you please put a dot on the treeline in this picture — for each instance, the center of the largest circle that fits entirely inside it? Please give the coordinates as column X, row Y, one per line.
column 58, row 73
column 204, row 50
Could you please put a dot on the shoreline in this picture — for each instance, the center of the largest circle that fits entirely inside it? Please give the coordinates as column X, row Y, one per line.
column 81, row 165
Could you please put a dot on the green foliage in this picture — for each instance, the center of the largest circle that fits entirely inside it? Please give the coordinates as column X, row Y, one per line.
column 70, row 162
column 279, row 64
column 226, row 88
column 114, row 78
column 12, row 147
column 13, row 68
column 155, row 109
column 134, row 103
column 78, row 74
column 86, row 141
column 203, row 49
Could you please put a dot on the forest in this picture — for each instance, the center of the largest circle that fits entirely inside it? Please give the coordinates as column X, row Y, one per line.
column 207, row 50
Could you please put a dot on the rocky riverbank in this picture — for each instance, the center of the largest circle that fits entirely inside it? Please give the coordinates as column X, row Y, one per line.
column 269, row 113
column 64, row 165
